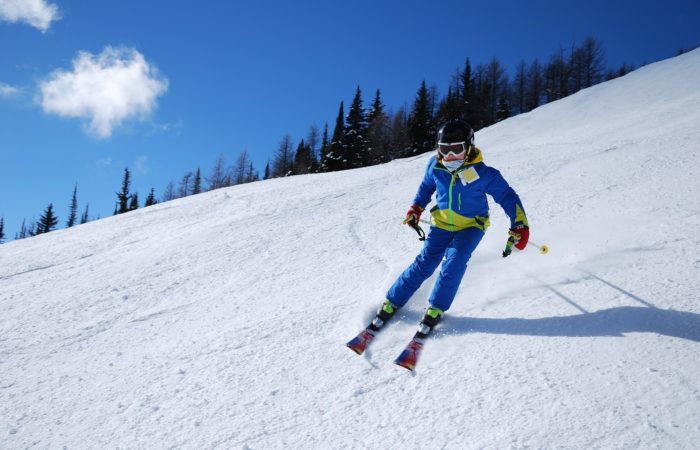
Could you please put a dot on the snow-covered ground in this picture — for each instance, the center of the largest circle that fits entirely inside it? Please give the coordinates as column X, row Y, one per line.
column 219, row 320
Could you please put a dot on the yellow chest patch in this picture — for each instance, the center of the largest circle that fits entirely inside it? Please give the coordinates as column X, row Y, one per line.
column 468, row 176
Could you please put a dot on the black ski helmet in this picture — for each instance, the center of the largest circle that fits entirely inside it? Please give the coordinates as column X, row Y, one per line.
column 456, row 131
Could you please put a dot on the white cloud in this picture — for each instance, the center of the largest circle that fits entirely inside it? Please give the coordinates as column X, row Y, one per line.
column 105, row 89
column 141, row 164
column 37, row 13
column 7, row 91
column 104, row 162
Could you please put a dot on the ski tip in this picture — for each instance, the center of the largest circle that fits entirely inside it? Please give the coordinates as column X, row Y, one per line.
column 359, row 343
column 407, row 359
column 355, row 349
column 409, row 356
column 407, row 366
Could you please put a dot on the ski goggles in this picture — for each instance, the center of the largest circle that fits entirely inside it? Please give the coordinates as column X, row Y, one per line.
column 453, row 150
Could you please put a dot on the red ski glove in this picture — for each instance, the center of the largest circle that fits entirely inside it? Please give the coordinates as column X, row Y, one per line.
column 521, row 234
column 413, row 214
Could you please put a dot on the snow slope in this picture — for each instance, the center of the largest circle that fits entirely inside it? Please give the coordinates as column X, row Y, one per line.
column 219, row 320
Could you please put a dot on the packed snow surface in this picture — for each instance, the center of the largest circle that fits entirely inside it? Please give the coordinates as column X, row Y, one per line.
column 219, row 320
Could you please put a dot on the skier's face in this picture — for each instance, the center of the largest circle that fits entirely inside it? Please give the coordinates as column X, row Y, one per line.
column 455, row 151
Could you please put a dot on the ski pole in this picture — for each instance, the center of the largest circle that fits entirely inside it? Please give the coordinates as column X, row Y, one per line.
column 544, row 249
column 421, row 234
column 413, row 224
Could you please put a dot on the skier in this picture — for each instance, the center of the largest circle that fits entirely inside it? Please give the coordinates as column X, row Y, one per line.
column 461, row 180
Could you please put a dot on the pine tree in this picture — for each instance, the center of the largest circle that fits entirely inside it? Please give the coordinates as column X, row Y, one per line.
column 354, row 136
column 421, row 129
column 184, row 188
column 479, row 98
column 197, row 188
column 123, row 196
column 284, row 158
column 503, row 110
column 534, row 86
column 592, row 61
column 134, row 203
column 378, row 132
column 623, row 70
column 169, row 192
column 450, row 107
column 2, row 229
column 556, row 77
column 302, row 159
column 85, row 218
column 334, row 157
column 400, row 144
column 496, row 86
column 219, row 174
column 266, row 175
column 576, row 68
column 312, row 143
column 151, row 199
column 47, row 221
column 518, row 88
column 22, row 234
column 377, row 109
column 467, row 96
column 252, row 175
column 72, row 215
column 240, row 169
column 323, row 152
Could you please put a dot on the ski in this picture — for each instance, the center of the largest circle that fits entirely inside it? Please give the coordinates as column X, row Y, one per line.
column 361, row 341
column 409, row 356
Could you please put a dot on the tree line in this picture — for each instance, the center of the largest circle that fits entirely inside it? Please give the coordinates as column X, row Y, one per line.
column 481, row 95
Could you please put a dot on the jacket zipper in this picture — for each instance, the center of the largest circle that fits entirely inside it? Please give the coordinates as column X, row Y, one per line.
column 452, row 183
column 449, row 198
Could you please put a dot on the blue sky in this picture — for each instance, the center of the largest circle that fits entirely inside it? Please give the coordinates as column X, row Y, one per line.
column 189, row 81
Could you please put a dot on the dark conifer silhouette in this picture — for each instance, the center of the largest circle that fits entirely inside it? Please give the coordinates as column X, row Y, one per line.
column 334, row 157
column 151, row 199
column 134, row 202
column 324, row 151
column 355, row 134
column 73, row 213
column 124, row 195
column 197, row 187
column 47, row 221
column 85, row 218
column 421, row 127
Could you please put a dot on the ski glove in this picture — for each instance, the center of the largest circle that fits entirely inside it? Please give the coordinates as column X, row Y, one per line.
column 413, row 214
column 521, row 234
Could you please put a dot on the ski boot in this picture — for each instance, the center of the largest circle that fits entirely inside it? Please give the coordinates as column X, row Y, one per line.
column 362, row 340
column 409, row 356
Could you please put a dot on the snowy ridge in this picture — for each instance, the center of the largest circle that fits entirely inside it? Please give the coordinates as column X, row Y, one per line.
column 219, row 320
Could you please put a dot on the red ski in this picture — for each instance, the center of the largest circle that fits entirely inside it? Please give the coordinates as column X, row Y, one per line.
column 409, row 356
column 359, row 344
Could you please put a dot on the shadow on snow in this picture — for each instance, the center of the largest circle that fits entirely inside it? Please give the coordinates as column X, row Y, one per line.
column 607, row 322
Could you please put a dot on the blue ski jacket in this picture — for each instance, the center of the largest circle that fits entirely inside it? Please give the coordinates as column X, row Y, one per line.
column 461, row 196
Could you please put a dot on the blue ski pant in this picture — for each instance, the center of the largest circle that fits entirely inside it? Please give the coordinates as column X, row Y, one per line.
column 456, row 247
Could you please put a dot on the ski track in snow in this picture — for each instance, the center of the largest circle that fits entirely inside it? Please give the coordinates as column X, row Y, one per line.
column 219, row 320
